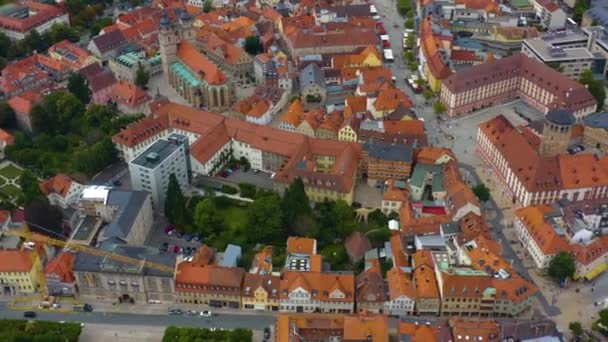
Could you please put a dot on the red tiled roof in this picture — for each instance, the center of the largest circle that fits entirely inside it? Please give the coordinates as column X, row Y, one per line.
column 200, row 64
column 62, row 266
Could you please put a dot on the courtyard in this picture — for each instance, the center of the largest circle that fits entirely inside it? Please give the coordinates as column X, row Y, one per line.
column 9, row 178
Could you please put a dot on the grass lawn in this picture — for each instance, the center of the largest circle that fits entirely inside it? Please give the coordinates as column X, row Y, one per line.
column 235, row 217
column 11, row 171
column 2, row 181
column 10, row 190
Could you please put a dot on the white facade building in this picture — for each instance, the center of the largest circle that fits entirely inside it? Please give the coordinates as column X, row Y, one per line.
column 151, row 170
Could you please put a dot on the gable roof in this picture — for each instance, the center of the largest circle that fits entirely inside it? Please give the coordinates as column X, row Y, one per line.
column 200, row 64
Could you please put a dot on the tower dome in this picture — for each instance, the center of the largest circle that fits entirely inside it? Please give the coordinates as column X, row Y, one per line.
column 164, row 20
column 184, row 16
column 560, row 116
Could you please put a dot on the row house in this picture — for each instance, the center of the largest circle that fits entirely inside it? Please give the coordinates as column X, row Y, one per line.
column 274, row 69
column 517, row 76
column 384, row 161
column 261, row 292
column 526, row 177
column 215, row 286
column 362, row 326
column 401, row 293
column 263, row 105
column 371, row 292
column 309, row 292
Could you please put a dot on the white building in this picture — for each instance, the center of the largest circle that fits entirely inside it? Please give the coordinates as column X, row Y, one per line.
column 18, row 20
column 550, row 14
column 151, row 170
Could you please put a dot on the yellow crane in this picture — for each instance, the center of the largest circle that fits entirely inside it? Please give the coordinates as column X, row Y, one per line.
column 43, row 239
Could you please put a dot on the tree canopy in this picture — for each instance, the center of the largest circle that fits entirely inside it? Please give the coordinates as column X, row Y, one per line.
column 77, row 85
column 596, row 87
column 175, row 203
column 30, row 190
column 482, row 192
column 265, row 219
column 12, row 330
column 295, row 203
column 207, row 218
column 253, row 46
column 7, row 116
column 438, row 107
column 562, row 266
column 175, row 334
column 142, row 77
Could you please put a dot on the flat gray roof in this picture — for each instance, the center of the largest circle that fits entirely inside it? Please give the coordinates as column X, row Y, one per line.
column 129, row 204
column 542, row 49
column 86, row 228
column 158, row 152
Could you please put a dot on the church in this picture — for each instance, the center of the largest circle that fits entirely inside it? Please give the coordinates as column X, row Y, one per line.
column 190, row 72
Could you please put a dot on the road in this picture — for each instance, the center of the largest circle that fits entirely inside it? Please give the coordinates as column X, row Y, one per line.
column 227, row 321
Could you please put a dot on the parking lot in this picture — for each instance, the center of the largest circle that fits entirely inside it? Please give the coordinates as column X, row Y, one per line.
column 158, row 237
column 260, row 179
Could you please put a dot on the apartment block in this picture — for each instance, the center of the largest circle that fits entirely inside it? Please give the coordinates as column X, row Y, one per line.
column 151, row 170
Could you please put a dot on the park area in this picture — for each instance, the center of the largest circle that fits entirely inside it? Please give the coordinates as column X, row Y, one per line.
column 13, row 330
column 9, row 178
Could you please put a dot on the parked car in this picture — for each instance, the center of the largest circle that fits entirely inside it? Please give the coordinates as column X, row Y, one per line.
column 376, row 17
column 188, row 236
column 206, row 313
column 267, row 332
column 224, row 174
column 29, row 314
column 386, row 44
column 169, row 229
column 256, row 171
column 176, row 249
column 191, row 313
column 117, row 183
column 175, row 312
column 165, row 247
column 576, row 149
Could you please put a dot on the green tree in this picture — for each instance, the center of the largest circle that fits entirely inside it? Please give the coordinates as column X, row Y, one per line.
column 5, row 45
column 427, row 94
column 413, row 66
column 175, row 203
column 247, row 190
column 335, row 255
column 482, row 192
column 142, row 77
column 208, row 6
column 253, row 46
column 577, row 330
column 603, row 314
column 61, row 32
column 98, row 25
column 77, row 85
column 343, row 217
column 438, row 107
column 596, row 87
column 579, row 8
column 7, row 116
column 409, row 23
column 562, row 266
column 207, row 218
column 295, row 203
column 265, row 220
column 30, row 188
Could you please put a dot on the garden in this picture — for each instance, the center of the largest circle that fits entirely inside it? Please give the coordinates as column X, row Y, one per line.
column 9, row 178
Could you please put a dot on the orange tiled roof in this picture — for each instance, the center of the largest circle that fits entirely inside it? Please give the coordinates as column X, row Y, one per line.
column 430, row 47
column 129, row 94
column 62, row 266
column 544, row 235
column 476, row 330
column 389, row 99
column 23, row 103
column 400, row 284
column 294, row 113
column 321, row 286
column 200, row 64
column 263, row 260
column 59, row 184
column 395, row 194
column 424, row 275
column 7, row 137
column 300, row 245
column 270, row 284
column 430, row 154
column 418, row 332
column 220, row 277
column 16, row 261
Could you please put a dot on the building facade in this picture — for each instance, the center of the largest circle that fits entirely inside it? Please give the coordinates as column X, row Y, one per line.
column 151, row 170
column 19, row 272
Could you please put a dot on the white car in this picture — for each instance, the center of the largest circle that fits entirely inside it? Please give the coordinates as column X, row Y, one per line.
column 206, row 313
column 376, row 17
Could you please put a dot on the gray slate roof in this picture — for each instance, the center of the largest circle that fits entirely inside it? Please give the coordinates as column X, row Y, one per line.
column 129, row 204
column 84, row 262
column 597, row 120
column 386, row 151
column 311, row 75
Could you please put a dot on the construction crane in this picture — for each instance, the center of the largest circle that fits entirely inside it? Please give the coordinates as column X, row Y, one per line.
column 43, row 239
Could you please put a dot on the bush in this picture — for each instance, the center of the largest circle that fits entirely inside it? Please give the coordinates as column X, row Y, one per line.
column 409, row 24
column 248, row 190
column 227, row 189
column 377, row 237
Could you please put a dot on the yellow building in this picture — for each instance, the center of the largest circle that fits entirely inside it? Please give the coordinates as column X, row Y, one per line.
column 19, row 272
column 260, row 292
column 347, row 133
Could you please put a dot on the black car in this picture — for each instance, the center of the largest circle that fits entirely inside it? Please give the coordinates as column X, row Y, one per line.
column 266, row 332
column 165, row 247
column 117, row 183
column 29, row 314
column 174, row 312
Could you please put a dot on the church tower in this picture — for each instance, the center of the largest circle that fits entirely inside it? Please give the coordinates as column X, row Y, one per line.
column 187, row 30
column 168, row 41
column 556, row 132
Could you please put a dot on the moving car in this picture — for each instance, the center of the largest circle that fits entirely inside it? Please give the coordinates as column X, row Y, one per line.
column 29, row 314
column 267, row 333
